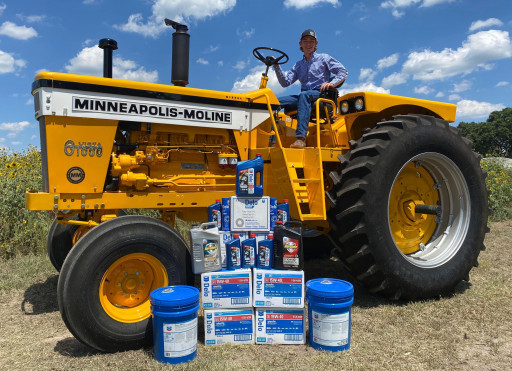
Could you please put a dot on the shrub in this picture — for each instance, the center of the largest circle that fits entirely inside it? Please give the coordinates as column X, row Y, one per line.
column 22, row 231
column 499, row 182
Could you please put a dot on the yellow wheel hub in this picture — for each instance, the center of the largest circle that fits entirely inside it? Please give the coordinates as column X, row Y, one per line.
column 413, row 186
column 126, row 285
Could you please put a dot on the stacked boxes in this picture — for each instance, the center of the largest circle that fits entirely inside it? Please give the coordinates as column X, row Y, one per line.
column 279, row 305
column 241, row 306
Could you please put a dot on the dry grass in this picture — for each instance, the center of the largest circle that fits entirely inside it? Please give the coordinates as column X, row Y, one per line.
column 470, row 330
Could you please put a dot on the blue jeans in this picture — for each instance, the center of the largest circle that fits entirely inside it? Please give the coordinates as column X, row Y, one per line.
column 301, row 103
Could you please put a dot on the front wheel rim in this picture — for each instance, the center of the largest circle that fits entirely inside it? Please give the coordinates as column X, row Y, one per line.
column 126, row 285
column 438, row 238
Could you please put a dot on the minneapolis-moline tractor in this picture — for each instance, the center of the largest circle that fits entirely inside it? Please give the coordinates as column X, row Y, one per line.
column 399, row 192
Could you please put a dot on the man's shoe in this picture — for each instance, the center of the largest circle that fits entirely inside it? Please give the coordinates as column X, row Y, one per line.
column 299, row 143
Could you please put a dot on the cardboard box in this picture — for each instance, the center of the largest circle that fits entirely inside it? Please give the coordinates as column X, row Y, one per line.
column 226, row 289
column 278, row 288
column 280, row 326
column 235, row 326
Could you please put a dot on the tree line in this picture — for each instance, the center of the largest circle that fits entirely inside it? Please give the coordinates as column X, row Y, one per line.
column 492, row 137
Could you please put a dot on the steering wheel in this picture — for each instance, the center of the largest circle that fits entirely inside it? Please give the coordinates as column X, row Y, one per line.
column 270, row 60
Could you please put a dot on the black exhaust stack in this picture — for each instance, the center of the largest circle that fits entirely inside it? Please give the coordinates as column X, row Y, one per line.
column 107, row 45
column 180, row 53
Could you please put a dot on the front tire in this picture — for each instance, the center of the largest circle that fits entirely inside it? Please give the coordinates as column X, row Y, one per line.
column 105, row 282
column 392, row 172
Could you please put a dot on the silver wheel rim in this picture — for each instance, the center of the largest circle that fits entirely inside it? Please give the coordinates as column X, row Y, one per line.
column 453, row 224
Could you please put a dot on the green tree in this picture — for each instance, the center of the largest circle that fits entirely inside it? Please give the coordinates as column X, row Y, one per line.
column 493, row 136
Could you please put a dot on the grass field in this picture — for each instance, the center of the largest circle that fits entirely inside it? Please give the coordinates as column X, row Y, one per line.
column 470, row 330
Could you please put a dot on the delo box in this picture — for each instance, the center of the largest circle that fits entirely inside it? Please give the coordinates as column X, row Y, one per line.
column 235, row 326
column 280, row 326
column 227, row 289
column 278, row 289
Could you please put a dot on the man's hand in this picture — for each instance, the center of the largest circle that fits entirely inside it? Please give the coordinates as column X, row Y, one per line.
column 326, row 86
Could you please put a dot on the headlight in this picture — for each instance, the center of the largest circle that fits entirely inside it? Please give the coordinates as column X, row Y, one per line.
column 359, row 104
column 344, row 106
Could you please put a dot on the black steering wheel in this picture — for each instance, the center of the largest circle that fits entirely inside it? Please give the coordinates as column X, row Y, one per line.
column 270, row 60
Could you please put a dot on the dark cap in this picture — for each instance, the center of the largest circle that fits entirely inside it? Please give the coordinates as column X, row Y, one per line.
column 308, row 33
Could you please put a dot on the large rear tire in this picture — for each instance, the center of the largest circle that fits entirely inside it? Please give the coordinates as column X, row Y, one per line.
column 105, row 282
column 382, row 235
column 62, row 237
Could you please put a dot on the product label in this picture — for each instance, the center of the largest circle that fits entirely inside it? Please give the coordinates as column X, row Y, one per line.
column 180, row 339
column 264, row 257
column 236, row 288
column 235, row 256
column 282, row 215
column 330, row 330
column 290, row 252
column 211, row 250
column 216, row 217
column 248, row 255
column 246, row 180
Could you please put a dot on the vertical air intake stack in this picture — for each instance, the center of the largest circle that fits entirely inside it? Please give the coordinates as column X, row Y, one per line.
column 107, row 45
column 180, row 53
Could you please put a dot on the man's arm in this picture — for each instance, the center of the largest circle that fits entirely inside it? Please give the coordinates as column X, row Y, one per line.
column 338, row 70
column 285, row 78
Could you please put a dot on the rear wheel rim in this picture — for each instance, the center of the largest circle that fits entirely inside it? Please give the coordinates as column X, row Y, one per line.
column 429, row 241
column 126, row 285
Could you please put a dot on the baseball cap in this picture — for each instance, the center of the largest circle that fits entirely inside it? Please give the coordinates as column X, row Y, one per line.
column 308, row 33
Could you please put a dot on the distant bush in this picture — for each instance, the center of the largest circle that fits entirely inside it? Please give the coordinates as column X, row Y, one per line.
column 499, row 182
column 22, row 231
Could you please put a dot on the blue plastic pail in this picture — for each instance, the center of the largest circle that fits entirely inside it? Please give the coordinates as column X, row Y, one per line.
column 329, row 314
column 174, row 310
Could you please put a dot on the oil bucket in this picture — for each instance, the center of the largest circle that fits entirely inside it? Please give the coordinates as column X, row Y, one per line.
column 174, row 311
column 329, row 313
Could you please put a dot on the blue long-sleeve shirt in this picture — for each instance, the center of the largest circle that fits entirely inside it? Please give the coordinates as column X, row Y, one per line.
column 314, row 73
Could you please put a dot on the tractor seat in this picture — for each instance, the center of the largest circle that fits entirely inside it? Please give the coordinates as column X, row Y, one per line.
column 331, row 94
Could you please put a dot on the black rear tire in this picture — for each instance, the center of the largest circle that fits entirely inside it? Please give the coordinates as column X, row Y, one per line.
column 389, row 247
column 104, row 285
column 60, row 242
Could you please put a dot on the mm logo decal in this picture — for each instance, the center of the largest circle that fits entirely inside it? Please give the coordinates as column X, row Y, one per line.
column 75, row 175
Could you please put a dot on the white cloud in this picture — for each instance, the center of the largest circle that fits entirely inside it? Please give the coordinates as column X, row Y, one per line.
column 491, row 22
column 31, row 18
column 89, row 61
column 186, row 11
column 252, row 81
column 502, row 83
column 462, row 86
column 440, row 95
column 396, row 78
column 245, row 34
column 475, row 52
column 423, row 90
column 366, row 86
column 397, row 6
column 10, row 64
column 302, row 4
column 240, row 65
column 17, row 32
column 202, row 61
column 387, row 61
column 454, row 97
column 14, row 127
column 2, row 8
column 473, row 109
column 367, row 74
column 220, row 63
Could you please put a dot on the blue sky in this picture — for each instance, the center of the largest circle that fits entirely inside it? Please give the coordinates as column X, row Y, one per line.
column 457, row 51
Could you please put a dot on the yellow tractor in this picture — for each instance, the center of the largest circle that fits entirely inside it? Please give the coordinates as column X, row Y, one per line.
column 398, row 191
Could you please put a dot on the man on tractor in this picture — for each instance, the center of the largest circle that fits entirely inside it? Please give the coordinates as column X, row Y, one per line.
column 314, row 72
